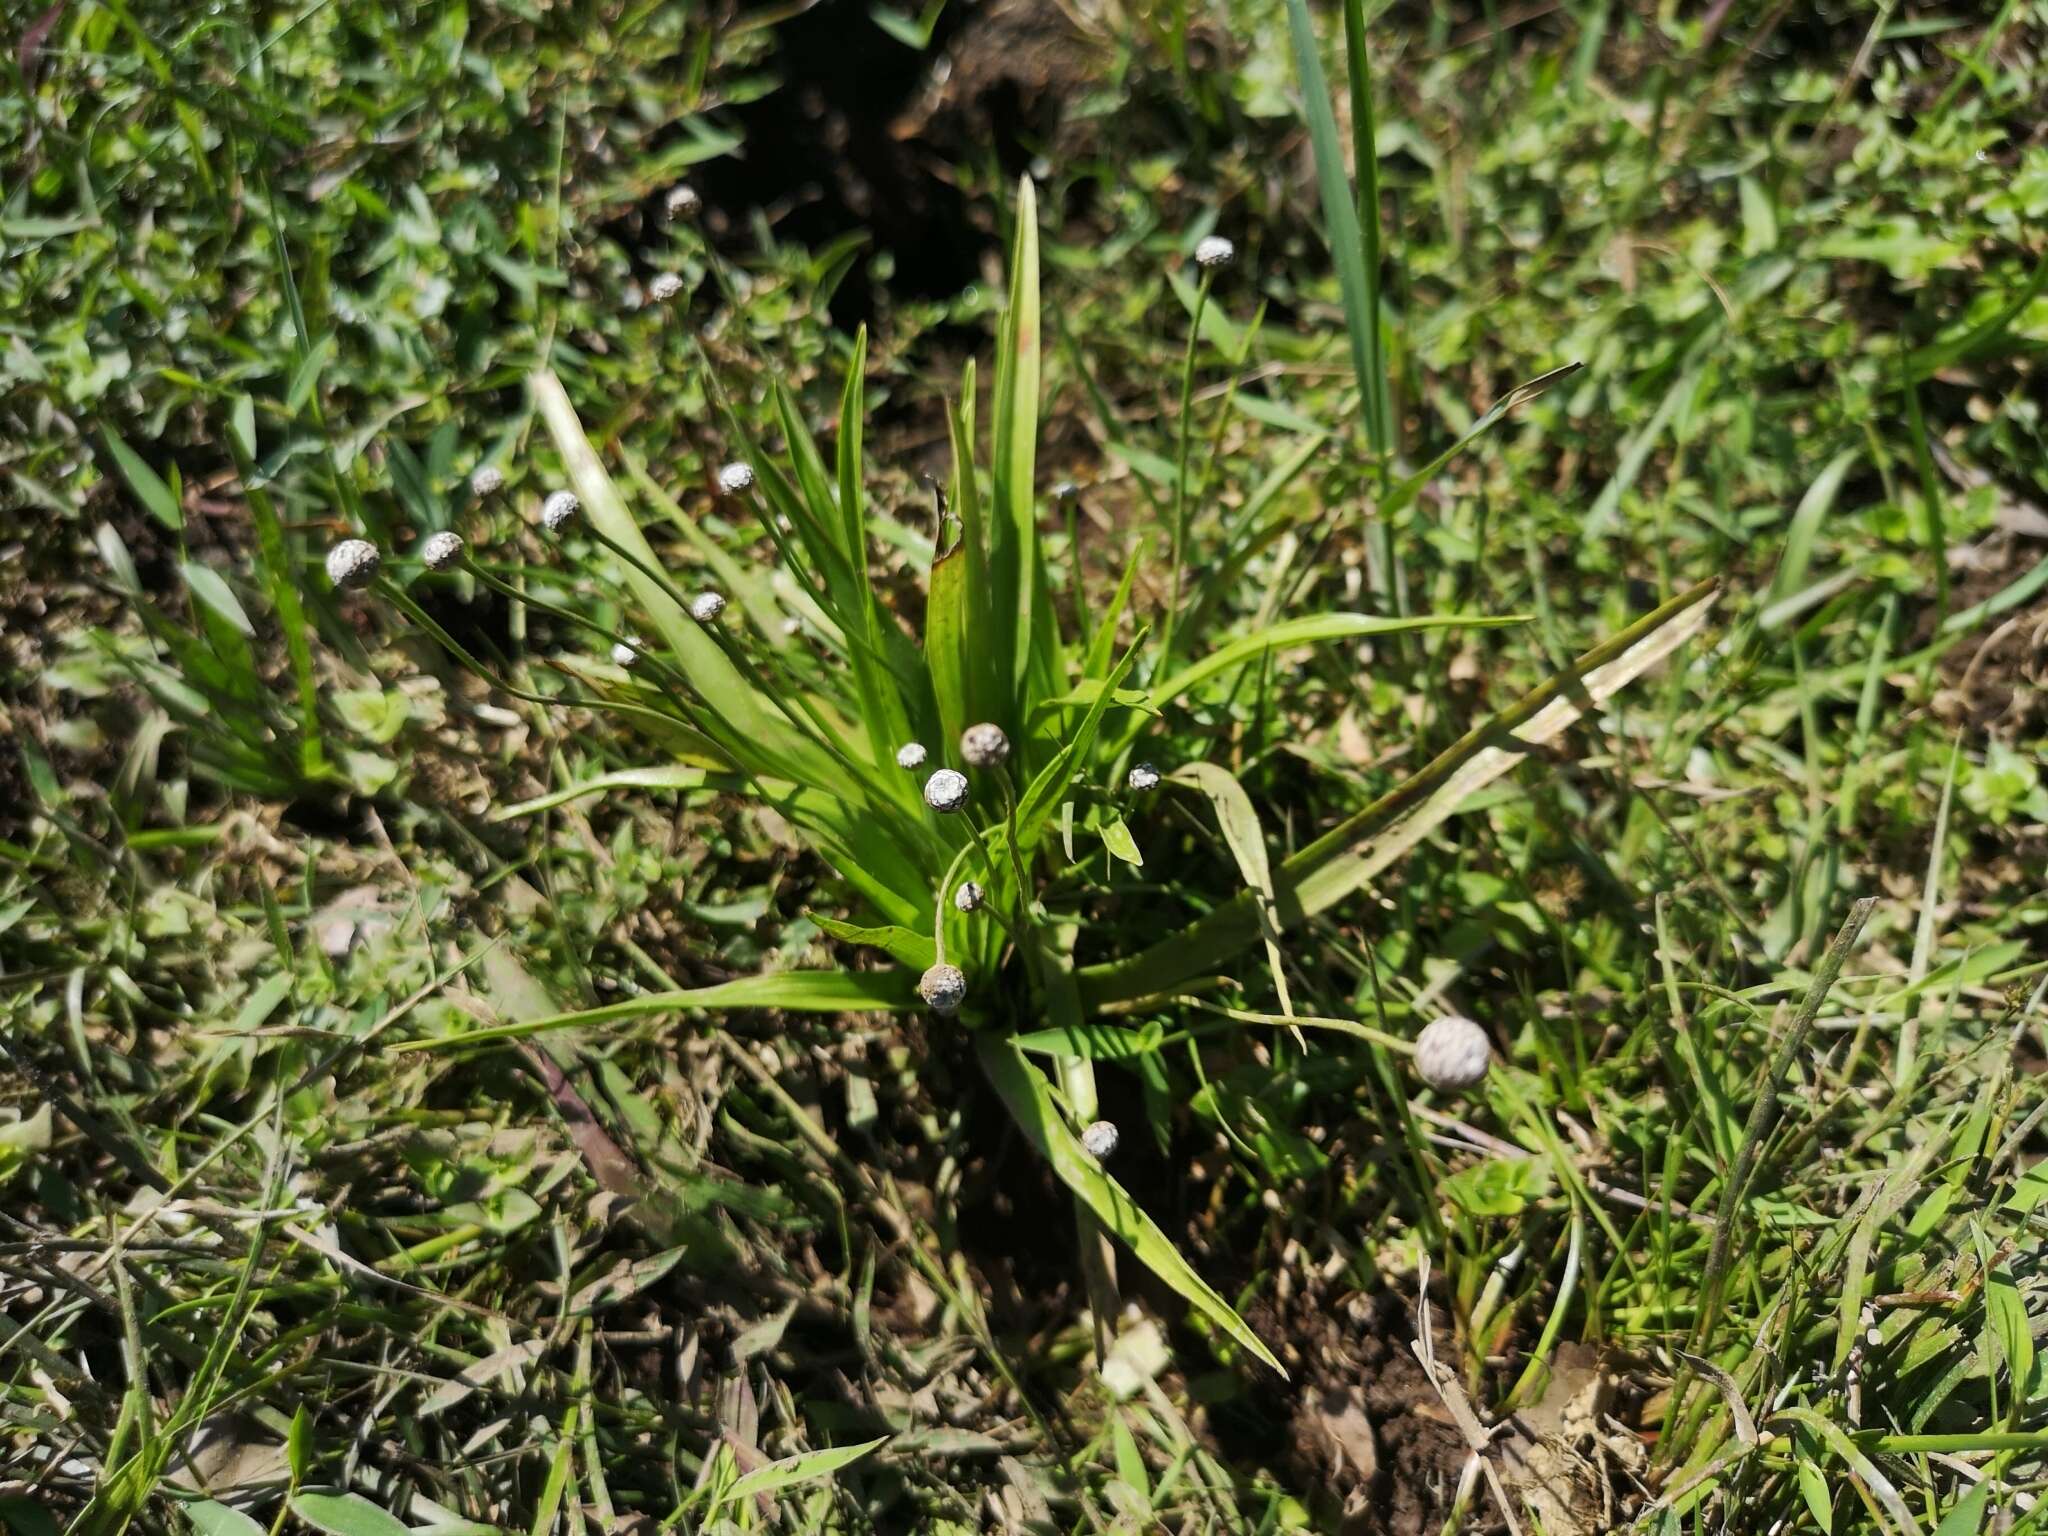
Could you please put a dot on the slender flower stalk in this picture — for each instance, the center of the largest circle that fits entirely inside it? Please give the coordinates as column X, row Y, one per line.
column 1180, row 478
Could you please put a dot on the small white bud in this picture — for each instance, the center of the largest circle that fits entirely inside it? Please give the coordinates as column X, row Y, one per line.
column 1099, row 1140
column 792, row 625
column 1452, row 1054
column 682, row 201
column 910, row 755
column 558, row 509
column 625, row 653
column 1214, row 251
column 1142, row 777
column 352, row 562
column 487, row 481
column 441, row 550
column 946, row 790
column 943, row 987
column 736, row 477
column 967, row 896
column 665, row 286
column 707, row 606
column 984, row 745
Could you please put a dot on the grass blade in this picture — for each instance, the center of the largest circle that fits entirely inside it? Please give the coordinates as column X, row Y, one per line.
column 760, row 736
column 791, row 991
column 1340, row 212
column 1246, row 840
column 805, row 1467
column 1023, row 1088
column 1376, row 394
column 660, row 776
column 149, row 488
column 1343, row 859
column 1321, row 626
column 1018, row 580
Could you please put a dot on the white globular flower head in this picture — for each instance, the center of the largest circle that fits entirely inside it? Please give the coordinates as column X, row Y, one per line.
column 682, row 201
column 967, row 896
column 441, row 551
column 1213, row 251
column 1100, row 1139
column 707, row 606
column 1142, row 777
column 943, row 987
column 984, row 745
column 625, row 653
column 556, row 511
column 1452, row 1054
column 488, row 480
column 352, row 562
column 910, row 755
column 736, row 477
column 665, row 286
column 946, row 790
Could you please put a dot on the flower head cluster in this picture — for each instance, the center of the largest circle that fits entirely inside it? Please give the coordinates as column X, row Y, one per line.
column 1143, row 777
column 736, row 477
column 910, row 755
column 664, row 286
column 682, row 201
column 705, row 607
column 1100, row 1139
column 625, row 653
column 488, row 480
column 1213, row 251
column 943, row 987
column 967, row 896
column 441, row 551
column 556, row 511
column 353, row 563
column 1452, row 1054
column 946, row 790
column 984, row 745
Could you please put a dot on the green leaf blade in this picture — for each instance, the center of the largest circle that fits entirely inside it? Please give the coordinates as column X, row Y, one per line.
column 1024, row 1090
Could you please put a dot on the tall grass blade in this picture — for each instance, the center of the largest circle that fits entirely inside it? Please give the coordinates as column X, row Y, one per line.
column 881, row 702
column 1376, row 392
column 1027, row 647
column 1340, row 212
column 757, row 733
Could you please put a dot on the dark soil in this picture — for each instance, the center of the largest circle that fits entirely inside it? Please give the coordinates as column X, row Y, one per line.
column 865, row 133
column 1997, row 679
column 1369, row 1443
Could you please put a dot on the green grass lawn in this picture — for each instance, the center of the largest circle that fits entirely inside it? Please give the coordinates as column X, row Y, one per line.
column 1023, row 768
